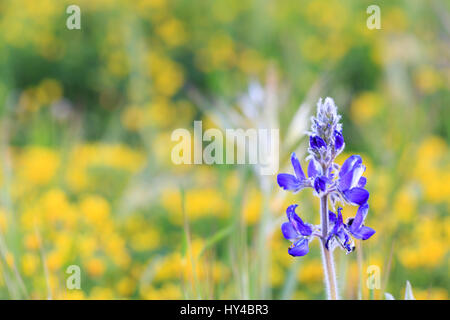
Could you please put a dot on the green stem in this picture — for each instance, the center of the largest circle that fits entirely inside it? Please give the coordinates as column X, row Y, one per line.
column 327, row 256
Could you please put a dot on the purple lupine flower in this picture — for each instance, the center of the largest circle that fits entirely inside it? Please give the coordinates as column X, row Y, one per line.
column 316, row 142
column 298, row 232
column 320, row 184
column 351, row 182
column 314, row 169
column 356, row 225
column 340, row 233
column 329, row 181
column 295, row 182
column 338, row 140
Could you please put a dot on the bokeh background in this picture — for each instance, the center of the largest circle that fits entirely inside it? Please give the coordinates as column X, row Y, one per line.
column 86, row 118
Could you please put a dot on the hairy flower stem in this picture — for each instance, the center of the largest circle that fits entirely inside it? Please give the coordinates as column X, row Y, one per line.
column 327, row 256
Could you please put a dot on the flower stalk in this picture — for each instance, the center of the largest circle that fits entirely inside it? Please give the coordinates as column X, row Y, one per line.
column 327, row 256
column 329, row 181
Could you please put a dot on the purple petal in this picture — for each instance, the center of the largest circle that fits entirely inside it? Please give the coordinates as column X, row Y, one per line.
column 297, row 167
column 359, row 217
column 330, row 173
column 338, row 223
column 314, row 168
column 330, row 238
column 288, row 231
column 290, row 211
column 339, row 218
column 300, row 248
column 298, row 224
column 362, row 182
column 363, row 233
column 357, row 196
column 316, row 142
column 331, row 217
column 351, row 179
column 348, row 243
column 349, row 164
column 338, row 140
column 346, row 181
column 288, row 182
column 320, row 184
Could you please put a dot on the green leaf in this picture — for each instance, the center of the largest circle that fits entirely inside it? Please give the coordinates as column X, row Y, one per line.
column 218, row 236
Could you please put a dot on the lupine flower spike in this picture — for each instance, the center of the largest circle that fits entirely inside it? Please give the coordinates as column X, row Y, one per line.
column 331, row 183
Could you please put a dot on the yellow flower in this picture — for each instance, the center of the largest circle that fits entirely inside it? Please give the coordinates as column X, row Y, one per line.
column 98, row 293
column 232, row 181
column 97, row 155
column 395, row 20
column 428, row 253
column 150, row 4
column 168, row 268
column 276, row 276
column 323, row 13
column 145, row 240
column 220, row 272
column 48, row 91
column 133, row 118
column 219, row 53
column 310, row 271
column 30, row 263
column 222, row 50
column 251, row 62
column 198, row 203
column 381, row 183
column 122, row 259
column 404, row 205
column 72, row 295
column 96, row 209
column 431, row 171
column 365, row 107
column 161, row 149
column 3, row 220
column 95, row 267
column 427, row 80
column 431, row 294
column 54, row 205
column 31, row 241
column 171, row 201
column 38, row 165
column 160, row 113
column 172, row 32
column 54, row 260
column 168, row 76
column 252, row 207
column 126, row 286
column 87, row 245
column 435, row 252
